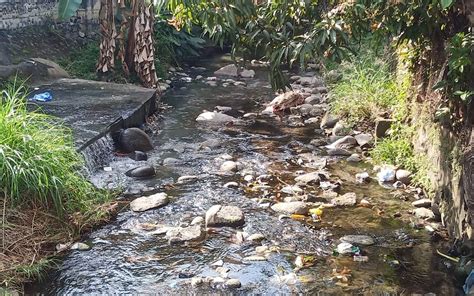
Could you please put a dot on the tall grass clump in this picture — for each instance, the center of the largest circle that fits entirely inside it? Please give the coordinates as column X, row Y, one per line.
column 368, row 89
column 38, row 162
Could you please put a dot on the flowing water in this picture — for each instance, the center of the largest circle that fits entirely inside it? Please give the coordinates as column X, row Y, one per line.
column 126, row 258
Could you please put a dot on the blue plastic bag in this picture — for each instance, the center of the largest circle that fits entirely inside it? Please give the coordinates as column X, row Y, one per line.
column 469, row 282
column 42, row 97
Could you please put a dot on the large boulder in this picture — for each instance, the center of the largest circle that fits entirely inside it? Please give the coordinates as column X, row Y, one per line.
column 134, row 139
column 149, row 202
column 218, row 216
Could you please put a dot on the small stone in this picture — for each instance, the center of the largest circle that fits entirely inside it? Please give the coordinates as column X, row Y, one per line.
column 170, row 161
column 107, row 169
column 340, row 129
column 197, row 281
column 345, row 142
column 81, row 34
column 338, row 152
column 138, row 156
column 231, row 185
column 215, row 117
column 256, row 237
column 185, row 179
column 248, row 178
column 309, row 178
column 364, row 139
column 185, row 234
column 223, row 271
column 197, row 221
column 424, row 213
column 80, row 247
column 364, row 240
column 296, row 207
column 382, row 125
column 422, row 203
column 255, row 258
column 354, row 158
column 329, row 120
column 291, row 189
column 247, row 73
column 348, row 199
column 365, row 203
column 362, row 177
column 403, row 176
column 146, row 171
column 233, row 283
column 149, row 202
column 218, row 216
column 198, row 77
column 229, row 166
column 261, row 249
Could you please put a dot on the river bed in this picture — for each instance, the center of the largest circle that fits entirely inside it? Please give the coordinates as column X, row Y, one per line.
column 128, row 258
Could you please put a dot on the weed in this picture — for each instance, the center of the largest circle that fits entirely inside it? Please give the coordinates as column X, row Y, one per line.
column 82, row 62
column 38, row 162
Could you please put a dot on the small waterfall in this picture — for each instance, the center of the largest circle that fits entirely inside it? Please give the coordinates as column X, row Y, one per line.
column 99, row 153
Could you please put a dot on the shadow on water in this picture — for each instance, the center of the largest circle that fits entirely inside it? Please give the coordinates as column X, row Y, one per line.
column 127, row 258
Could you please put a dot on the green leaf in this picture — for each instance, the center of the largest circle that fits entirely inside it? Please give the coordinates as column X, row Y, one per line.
column 68, row 8
column 445, row 3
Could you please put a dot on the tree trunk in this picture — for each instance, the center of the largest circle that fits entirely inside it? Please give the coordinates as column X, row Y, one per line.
column 108, row 33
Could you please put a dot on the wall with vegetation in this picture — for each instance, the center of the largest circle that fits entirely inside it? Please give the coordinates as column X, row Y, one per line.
column 16, row 14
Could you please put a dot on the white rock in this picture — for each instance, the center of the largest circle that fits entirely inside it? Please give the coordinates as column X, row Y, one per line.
column 185, row 234
column 80, row 247
column 291, row 189
column 184, row 179
column 233, row 283
column 149, row 202
column 229, row 166
column 348, row 199
column 354, row 158
column 261, row 249
column 295, row 207
column 197, row 221
column 386, row 174
column 228, row 70
column 231, row 185
column 256, row 237
column 403, row 176
column 215, row 117
column 362, row 177
column 345, row 142
column 309, row 178
column 422, row 203
column 424, row 213
column 218, row 216
column 363, row 139
column 364, row 240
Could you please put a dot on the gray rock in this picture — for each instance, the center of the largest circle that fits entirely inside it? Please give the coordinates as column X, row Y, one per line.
column 363, row 240
column 313, row 99
column 338, row 152
column 177, row 235
column 185, row 179
column 348, row 199
column 311, row 81
column 312, row 120
column 80, row 247
column 229, row 166
column 233, row 283
column 138, row 156
column 295, row 120
column 318, row 142
column 149, row 202
column 215, row 117
column 424, row 213
column 382, row 125
column 422, row 203
column 170, row 161
column 218, row 216
column 292, row 189
column 197, row 221
column 344, row 143
column 403, row 176
column 247, row 73
column 228, row 70
column 134, row 139
column 362, row 177
column 295, row 207
column 329, row 120
column 309, row 178
column 354, row 158
column 340, row 129
column 146, row 171
column 364, row 139
column 256, row 237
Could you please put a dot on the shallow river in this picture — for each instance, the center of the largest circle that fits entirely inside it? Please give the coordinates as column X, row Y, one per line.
column 126, row 259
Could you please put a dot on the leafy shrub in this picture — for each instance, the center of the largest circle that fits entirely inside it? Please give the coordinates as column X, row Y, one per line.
column 82, row 62
column 38, row 162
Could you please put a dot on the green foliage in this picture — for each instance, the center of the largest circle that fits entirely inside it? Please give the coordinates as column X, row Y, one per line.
column 173, row 46
column 368, row 89
column 82, row 62
column 38, row 162
column 36, row 270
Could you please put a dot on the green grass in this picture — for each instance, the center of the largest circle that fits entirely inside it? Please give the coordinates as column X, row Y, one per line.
column 38, row 162
column 367, row 89
column 82, row 62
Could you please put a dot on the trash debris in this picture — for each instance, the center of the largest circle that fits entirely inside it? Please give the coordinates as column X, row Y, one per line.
column 386, row 175
column 448, row 257
column 347, row 248
column 361, row 258
column 42, row 97
column 469, row 283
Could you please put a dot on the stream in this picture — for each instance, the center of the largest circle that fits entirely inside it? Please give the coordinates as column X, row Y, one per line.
column 127, row 256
